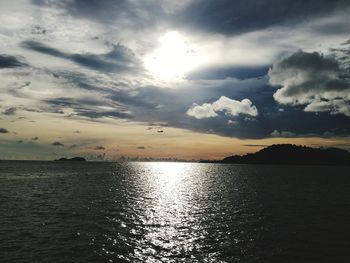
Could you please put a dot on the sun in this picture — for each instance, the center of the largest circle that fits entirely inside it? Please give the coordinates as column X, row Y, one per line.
column 173, row 57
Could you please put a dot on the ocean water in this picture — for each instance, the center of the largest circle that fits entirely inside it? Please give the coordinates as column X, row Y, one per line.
column 173, row 212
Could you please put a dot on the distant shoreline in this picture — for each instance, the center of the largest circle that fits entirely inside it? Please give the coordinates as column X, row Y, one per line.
column 278, row 154
column 74, row 159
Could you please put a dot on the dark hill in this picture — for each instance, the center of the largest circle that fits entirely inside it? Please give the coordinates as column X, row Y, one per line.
column 74, row 159
column 293, row 155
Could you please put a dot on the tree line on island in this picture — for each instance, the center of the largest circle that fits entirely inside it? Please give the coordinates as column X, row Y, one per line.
column 289, row 154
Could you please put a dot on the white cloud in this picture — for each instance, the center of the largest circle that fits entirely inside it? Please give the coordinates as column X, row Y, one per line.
column 223, row 104
column 235, row 107
column 201, row 111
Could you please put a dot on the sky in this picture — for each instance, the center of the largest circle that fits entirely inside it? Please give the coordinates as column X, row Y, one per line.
column 190, row 79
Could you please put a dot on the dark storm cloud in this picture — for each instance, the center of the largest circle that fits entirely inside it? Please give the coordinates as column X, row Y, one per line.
column 10, row 62
column 159, row 105
column 320, row 83
column 270, row 118
column 141, row 105
column 89, row 108
column 136, row 101
column 173, row 111
column 119, row 59
column 229, row 17
column 101, row 114
column 221, row 16
column 57, row 144
column 10, row 111
column 347, row 42
column 308, row 61
column 119, row 92
column 135, row 13
column 3, row 130
column 121, row 97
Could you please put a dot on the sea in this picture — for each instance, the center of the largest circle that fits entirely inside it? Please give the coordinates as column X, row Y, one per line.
column 173, row 212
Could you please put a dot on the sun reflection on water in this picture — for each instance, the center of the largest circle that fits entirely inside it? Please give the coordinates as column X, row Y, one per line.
column 168, row 220
column 170, row 179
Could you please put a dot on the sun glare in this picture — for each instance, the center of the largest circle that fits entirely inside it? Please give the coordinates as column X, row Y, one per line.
column 173, row 57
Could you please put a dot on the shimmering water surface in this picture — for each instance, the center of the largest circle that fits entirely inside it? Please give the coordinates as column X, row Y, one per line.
column 173, row 212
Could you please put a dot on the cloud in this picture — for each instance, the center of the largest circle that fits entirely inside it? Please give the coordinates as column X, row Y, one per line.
column 101, row 114
column 143, row 13
column 3, row 130
column 99, row 148
column 234, row 107
column 320, row 83
column 90, row 107
column 201, row 111
column 118, row 59
column 287, row 134
column 231, row 122
column 10, row 111
column 239, row 16
column 10, row 62
column 73, row 63
column 238, row 72
column 221, row 16
column 57, row 144
column 347, row 42
column 223, row 104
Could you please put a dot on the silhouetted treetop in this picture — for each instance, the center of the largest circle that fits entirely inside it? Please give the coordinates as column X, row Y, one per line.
column 293, row 154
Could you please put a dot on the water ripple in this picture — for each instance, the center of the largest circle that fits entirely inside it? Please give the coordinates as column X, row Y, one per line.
column 171, row 212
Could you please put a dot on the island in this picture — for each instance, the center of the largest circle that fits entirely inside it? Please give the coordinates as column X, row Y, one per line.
column 289, row 154
column 74, row 159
